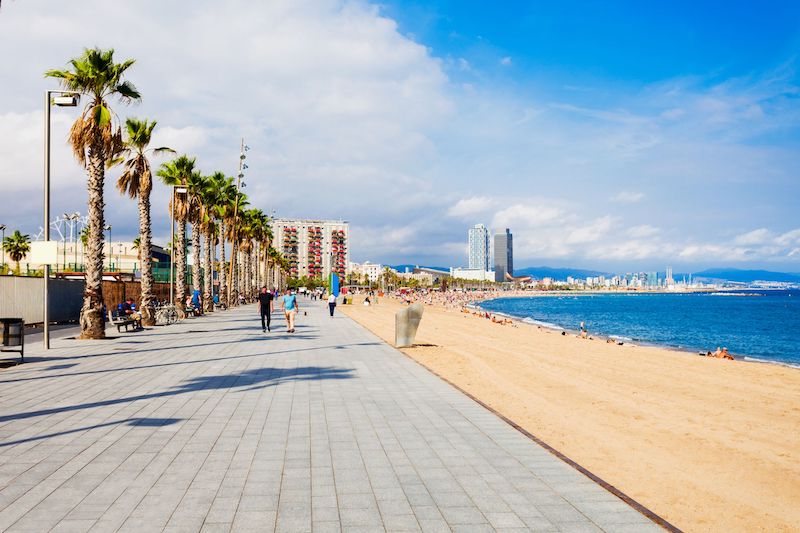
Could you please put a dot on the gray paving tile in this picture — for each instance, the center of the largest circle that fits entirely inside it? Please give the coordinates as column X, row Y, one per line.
column 210, row 425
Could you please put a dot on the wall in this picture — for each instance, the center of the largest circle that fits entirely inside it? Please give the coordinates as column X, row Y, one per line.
column 21, row 297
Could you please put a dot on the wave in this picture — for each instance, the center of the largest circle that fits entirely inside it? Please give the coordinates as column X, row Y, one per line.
column 735, row 294
column 548, row 325
column 770, row 361
column 620, row 338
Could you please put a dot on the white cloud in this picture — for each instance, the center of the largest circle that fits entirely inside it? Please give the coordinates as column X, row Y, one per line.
column 643, row 231
column 348, row 118
column 471, row 208
column 526, row 215
column 505, row 61
column 757, row 236
column 591, row 232
column 628, row 197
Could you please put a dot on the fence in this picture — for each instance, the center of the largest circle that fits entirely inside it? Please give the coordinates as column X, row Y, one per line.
column 22, row 297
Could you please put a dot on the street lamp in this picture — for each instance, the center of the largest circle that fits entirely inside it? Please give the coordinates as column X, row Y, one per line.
column 176, row 189
column 60, row 99
column 73, row 219
column 110, row 251
column 3, row 246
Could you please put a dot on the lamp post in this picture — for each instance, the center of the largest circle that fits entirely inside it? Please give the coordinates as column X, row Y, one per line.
column 73, row 218
column 176, row 189
column 110, row 251
column 63, row 99
column 239, row 184
column 3, row 246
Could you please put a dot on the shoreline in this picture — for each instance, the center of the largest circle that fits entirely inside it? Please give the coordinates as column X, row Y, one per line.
column 745, row 358
column 707, row 444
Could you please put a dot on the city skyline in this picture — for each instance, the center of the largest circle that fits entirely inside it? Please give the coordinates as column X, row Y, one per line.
column 683, row 154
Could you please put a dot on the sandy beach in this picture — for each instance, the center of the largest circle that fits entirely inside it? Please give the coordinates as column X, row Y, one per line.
column 708, row 444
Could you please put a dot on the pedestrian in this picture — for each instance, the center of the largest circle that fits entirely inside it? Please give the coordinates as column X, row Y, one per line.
column 265, row 306
column 332, row 303
column 290, row 308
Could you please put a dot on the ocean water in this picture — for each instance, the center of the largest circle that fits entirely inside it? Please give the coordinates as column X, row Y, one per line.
column 752, row 324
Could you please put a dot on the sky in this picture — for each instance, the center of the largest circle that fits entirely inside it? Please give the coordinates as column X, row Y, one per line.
column 609, row 135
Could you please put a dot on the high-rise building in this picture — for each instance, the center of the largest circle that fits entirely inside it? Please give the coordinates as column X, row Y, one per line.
column 479, row 247
column 313, row 248
column 669, row 280
column 503, row 255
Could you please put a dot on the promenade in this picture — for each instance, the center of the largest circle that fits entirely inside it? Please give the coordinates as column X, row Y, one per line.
column 210, row 425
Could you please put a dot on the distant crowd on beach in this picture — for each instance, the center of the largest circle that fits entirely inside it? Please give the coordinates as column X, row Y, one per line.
column 465, row 301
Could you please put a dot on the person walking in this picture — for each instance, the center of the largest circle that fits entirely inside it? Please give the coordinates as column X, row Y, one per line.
column 265, row 306
column 332, row 303
column 290, row 308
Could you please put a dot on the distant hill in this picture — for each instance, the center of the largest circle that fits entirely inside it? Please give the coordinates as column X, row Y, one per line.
column 402, row 268
column 560, row 274
column 745, row 276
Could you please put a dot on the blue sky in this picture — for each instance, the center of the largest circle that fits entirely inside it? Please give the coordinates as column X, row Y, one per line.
column 609, row 135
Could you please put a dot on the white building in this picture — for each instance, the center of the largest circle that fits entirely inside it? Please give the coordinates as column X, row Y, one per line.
column 479, row 250
column 472, row 274
column 373, row 271
column 313, row 248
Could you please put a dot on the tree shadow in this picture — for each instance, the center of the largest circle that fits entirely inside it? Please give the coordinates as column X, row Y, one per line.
column 117, row 351
column 253, row 379
column 145, row 422
column 178, row 363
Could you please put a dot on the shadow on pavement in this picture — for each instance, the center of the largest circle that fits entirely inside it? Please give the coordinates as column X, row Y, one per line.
column 263, row 377
column 147, row 422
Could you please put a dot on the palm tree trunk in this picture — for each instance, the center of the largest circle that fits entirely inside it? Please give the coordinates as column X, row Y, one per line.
column 197, row 282
column 180, row 268
column 146, row 283
column 223, row 279
column 250, row 274
column 257, row 264
column 208, row 303
column 234, row 288
column 92, row 319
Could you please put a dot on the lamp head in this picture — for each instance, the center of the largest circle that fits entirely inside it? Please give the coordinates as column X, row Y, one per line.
column 67, row 100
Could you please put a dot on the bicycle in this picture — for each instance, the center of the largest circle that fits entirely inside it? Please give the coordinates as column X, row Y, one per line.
column 166, row 315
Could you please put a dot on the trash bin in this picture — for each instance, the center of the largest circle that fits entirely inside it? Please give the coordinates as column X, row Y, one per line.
column 12, row 335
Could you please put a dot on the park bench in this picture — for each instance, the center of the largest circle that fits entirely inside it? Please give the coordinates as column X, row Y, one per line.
column 122, row 321
column 12, row 336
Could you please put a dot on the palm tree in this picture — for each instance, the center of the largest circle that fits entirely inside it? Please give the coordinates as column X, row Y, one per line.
column 177, row 173
column 196, row 185
column 137, row 182
column 239, row 205
column 209, row 228
column 95, row 138
column 224, row 197
column 17, row 247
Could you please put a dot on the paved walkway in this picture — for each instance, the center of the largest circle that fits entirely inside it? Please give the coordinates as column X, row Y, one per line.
column 211, row 425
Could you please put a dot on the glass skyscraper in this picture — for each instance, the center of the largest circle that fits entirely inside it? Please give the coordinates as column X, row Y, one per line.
column 503, row 255
column 479, row 247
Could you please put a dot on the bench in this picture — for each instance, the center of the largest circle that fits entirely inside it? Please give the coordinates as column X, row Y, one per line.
column 12, row 335
column 122, row 321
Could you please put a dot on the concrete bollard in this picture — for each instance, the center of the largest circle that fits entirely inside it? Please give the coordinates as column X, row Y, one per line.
column 406, row 322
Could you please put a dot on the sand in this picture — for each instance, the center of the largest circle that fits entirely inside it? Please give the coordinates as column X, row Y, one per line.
column 708, row 444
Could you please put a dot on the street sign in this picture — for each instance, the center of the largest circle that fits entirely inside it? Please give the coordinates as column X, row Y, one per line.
column 44, row 253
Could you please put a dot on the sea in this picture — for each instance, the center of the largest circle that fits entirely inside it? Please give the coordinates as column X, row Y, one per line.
column 759, row 325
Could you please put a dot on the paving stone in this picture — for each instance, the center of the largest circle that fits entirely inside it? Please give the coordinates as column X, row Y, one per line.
column 211, row 425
